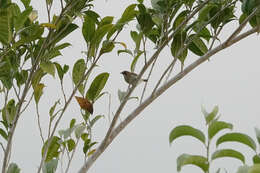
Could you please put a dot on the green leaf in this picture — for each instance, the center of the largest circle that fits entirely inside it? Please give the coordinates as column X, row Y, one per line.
column 50, row 166
column 125, row 51
column 107, row 46
column 3, row 134
column 178, row 45
column 186, row 159
column 185, row 130
column 94, row 120
column 88, row 28
column 257, row 133
column 197, row 46
column 254, row 169
column 209, row 117
column 228, row 153
column 26, row 3
column 135, row 61
column 10, row 111
column 84, row 136
column 21, row 19
column 106, row 20
column 256, row 159
column 52, row 109
column 78, row 71
column 63, row 33
column 86, row 146
column 59, row 70
column 96, row 86
column 204, row 12
column 71, row 144
column 217, row 126
column 53, row 151
column 100, row 33
column 136, row 38
column 237, row 137
column 13, row 168
column 72, row 122
column 38, row 91
column 48, row 67
column 79, row 129
column 180, row 18
column 128, row 14
column 21, row 77
column 5, row 26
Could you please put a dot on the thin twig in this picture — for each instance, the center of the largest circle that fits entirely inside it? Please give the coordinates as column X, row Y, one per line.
column 39, row 122
column 72, row 155
column 2, row 146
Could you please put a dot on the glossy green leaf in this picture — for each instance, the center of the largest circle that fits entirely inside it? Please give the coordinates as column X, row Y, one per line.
column 53, row 151
column 88, row 28
column 3, row 134
column 38, row 91
column 78, row 71
column 13, row 168
column 5, row 26
column 48, row 67
column 50, row 166
column 71, row 144
column 187, row 159
column 185, row 130
column 96, row 86
column 128, row 14
column 21, row 19
column 228, row 153
column 237, row 137
column 217, row 126
column 21, row 77
column 256, row 159
column 254, row 169
column 106, row 20
column 197, row 46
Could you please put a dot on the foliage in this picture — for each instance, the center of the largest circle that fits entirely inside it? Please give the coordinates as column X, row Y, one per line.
column 214, row 126
column 29, row 52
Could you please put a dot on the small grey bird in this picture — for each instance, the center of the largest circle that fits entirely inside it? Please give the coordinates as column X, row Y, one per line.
column 131, row 77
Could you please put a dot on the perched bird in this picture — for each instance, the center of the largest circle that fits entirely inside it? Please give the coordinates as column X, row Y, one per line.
column 131, row 77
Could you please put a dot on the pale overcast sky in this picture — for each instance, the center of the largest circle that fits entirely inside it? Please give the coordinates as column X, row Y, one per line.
column 230, row 80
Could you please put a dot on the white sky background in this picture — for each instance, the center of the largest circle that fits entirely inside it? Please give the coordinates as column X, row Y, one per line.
column 230, row 80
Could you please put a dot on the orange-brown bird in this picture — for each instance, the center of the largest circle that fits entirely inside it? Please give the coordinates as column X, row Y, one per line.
column 131, row 77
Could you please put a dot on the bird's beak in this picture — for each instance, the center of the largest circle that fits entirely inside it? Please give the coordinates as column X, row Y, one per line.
column 121, row 73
